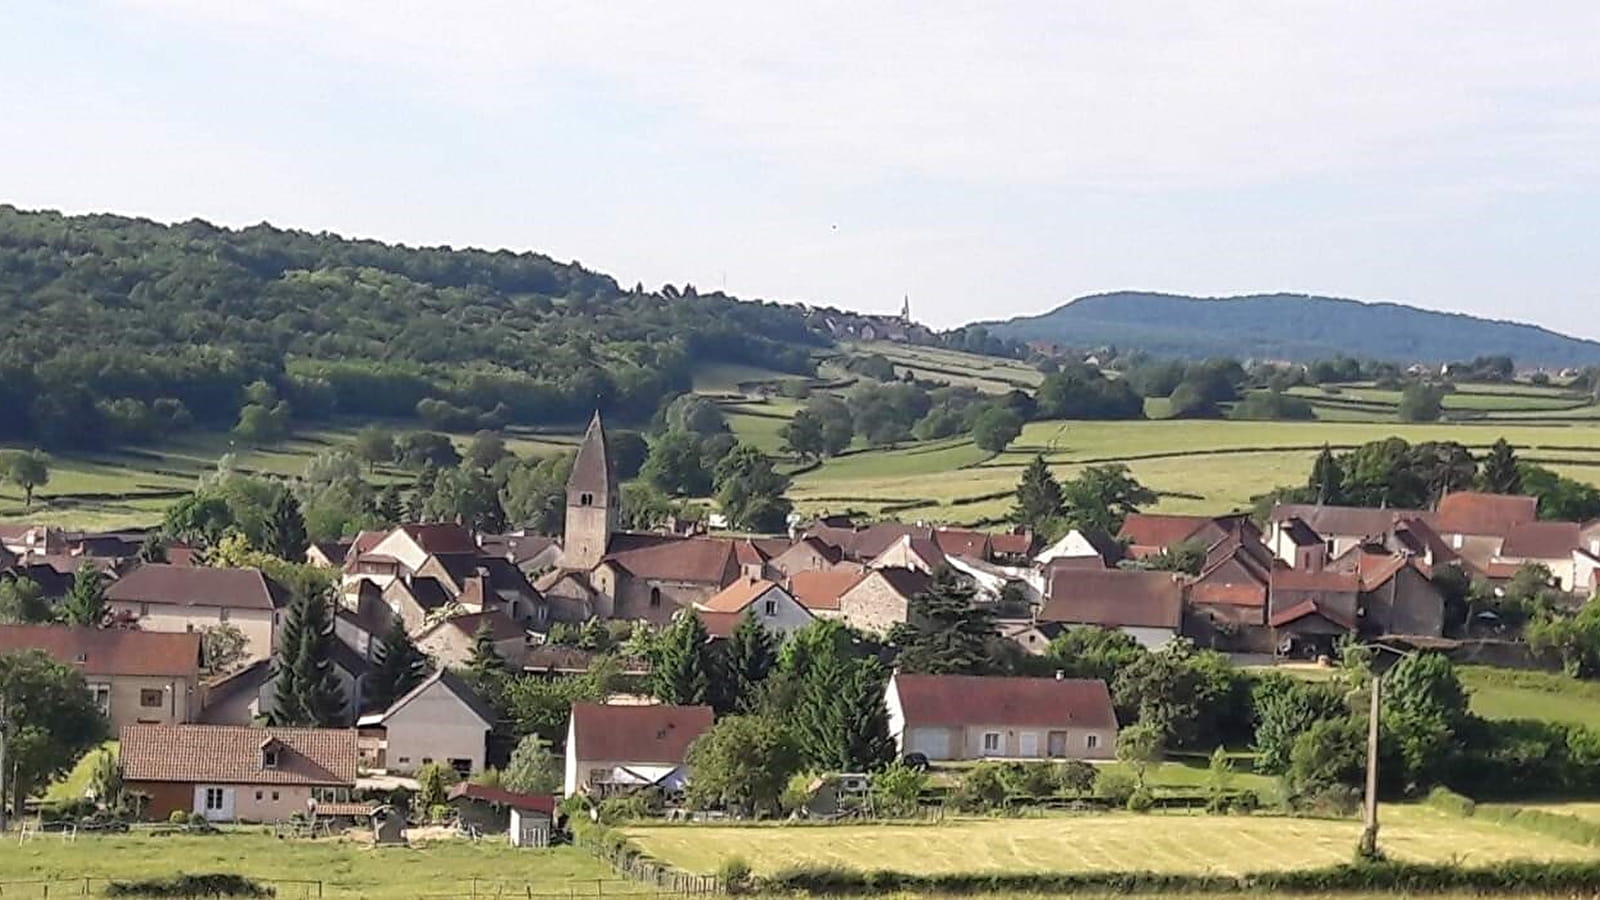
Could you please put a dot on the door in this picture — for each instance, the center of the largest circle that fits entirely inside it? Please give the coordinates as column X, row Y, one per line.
column 1058, row 744
column 215, row 803
column 934, row 743
column 1028, row 744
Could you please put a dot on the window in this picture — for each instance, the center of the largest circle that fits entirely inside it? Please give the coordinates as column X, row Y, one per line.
column 258, row 795
column 1092, row 741
column 81, row 658
column 463, row 767
column 213, row 799
column 405, row 760
column 585, row 499
column 269, row 758
column 102, row 697
column 1458, row 540
column 223, row 614
column 991, row 742
column 150, row 698
column 655, row 597
column 274, row 796
column 330, row 794
column 771, row 608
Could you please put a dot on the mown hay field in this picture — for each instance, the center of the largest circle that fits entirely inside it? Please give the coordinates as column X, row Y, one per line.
column 1107, row 842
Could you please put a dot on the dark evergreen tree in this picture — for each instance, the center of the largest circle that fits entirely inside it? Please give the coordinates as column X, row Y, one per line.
column 286, row 529
column 398, row 666
column 945, row 633
column 85, row 603
column 1500, row 473
column 1327, row 478
column 307, row 691
column 682, row 663
column 1038, row 497
column 751, row 654
column 391, row 506
column 486, row 664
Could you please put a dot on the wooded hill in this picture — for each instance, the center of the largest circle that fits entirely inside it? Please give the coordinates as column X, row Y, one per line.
column 1290, row 327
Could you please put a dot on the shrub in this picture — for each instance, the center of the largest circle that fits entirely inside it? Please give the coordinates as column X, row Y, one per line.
column 187, row 886
column 624, row 809
column 178, row 817
column 1115, row 785
column 982, row 788
column 1449, row 801
column 1246, row 802
column 1141, row 801
column 734, row 873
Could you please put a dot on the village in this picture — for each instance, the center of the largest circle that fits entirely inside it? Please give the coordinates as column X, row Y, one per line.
column 201, row 741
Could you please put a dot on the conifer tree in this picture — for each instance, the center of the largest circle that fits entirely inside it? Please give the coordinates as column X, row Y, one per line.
column 486, row 662
column 751, row 654
column 1500, row 474
column 307, row 690
column 398, row 667
column 1327, row 478
column 840, row 721
column 945, row 633
column 682, row 667
column 85, row 603
column 286, row 529
column 390, row 508
column 1038, row 497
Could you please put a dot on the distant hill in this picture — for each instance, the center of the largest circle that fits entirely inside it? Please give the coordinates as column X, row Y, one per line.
column 1290, row 326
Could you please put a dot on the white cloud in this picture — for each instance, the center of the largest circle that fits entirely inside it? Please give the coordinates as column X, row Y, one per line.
column 1131, row 95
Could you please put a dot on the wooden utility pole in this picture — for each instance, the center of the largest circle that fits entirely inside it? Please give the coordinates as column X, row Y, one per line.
column 1369, row 833
column 5, row 798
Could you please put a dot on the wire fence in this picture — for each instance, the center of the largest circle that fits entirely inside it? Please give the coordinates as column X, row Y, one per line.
column 475, row 889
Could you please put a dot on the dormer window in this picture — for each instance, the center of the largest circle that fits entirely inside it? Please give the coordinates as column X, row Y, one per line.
column 269, row 758
column 81, row 658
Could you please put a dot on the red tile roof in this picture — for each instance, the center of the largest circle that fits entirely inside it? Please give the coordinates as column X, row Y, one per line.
column 230, row 754
column 197, row 586
column 668, row 558
column 441, row 538
column 500, row 797
column 962, row 542
column 957, row 700
column 737, row 596
column 1344, row 521
column 1470, row 512
column 1543, row 540
column 1145, row 530
column 1228, row 593
column 719, row 624
column 820, row 588
column 1012, row 543
column 637, row 734
column 1325, row 580
column 1311, row 608
column 1113, row 598
column 109, row 651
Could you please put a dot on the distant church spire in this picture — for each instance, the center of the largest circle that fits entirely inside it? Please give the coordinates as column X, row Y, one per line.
column 905, row 310
column 593, row 499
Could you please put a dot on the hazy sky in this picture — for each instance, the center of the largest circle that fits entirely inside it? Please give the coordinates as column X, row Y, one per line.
column 987, row 158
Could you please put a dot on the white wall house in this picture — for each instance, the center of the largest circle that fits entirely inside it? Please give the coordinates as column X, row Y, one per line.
column 442, row 720
column 958, row 717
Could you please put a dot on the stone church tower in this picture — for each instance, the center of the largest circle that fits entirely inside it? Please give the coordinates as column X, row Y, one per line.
column 593, row 496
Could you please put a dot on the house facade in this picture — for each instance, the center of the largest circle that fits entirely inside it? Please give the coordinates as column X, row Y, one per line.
column 237, row 774
column 442, row 720
column 615, row 749
column 136, row 677
column 959, row 717
column 881, row 599
column 186, row 599
column 1147, row 606
column 771, row 604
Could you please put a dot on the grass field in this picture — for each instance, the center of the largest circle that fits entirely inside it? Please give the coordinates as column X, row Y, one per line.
column 1517, row 694
column 346, row 869
column 1099, row 842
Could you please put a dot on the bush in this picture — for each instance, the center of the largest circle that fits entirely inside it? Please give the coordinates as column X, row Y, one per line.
column 1449, row 801
column 1141, row 801
column 734, row 873
column 186, row 886
column 624, row 809
column 1115, row 785
column 982, row 788
column 178, row 817
column 1246, row 802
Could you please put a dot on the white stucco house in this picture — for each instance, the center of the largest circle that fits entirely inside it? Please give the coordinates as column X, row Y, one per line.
column 956, row 717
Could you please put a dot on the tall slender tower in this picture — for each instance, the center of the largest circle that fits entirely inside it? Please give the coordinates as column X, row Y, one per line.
column 905, row 310
column 592, row 501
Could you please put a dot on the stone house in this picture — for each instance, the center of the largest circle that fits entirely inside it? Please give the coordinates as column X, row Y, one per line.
column 450, row 641
column 881, row 598
column 135, row 676
column 182, row 599
column 957, row 717
column 237, row 774
column 617, row 749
